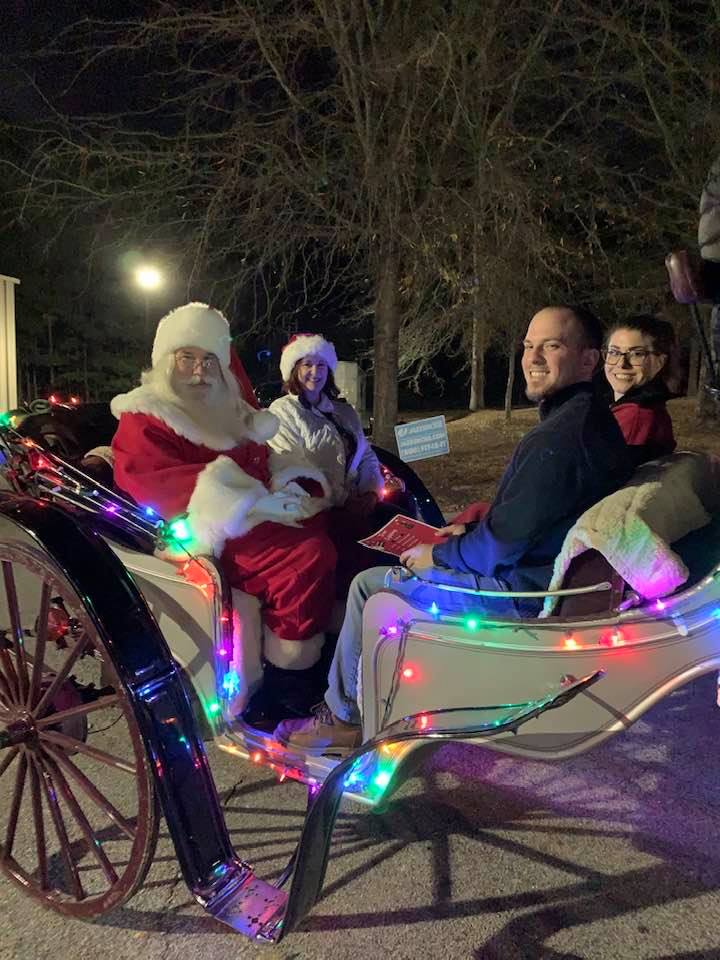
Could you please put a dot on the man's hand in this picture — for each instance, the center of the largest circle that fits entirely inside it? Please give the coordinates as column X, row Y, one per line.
column 418, row 558
column 452, row 530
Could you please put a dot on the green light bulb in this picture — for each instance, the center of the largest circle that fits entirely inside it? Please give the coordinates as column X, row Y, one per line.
column 382, row 779
column 180, row 530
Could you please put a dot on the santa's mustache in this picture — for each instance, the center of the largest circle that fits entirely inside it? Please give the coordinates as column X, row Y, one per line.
column 196, row 381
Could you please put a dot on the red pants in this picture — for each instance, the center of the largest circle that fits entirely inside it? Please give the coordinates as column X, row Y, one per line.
column 291, row 570
column 345, row 529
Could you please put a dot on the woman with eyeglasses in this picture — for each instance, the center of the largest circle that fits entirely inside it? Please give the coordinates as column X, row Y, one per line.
column 637, row 356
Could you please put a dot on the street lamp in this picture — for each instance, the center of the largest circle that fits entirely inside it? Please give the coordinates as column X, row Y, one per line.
column 148, row 278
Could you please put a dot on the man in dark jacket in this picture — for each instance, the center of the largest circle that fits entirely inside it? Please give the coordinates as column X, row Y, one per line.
column 575, row 456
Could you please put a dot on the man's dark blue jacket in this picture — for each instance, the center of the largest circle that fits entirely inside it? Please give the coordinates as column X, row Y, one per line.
column 574, row 457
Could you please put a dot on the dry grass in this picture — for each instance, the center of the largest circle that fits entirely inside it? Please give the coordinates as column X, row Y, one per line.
column 481, row 444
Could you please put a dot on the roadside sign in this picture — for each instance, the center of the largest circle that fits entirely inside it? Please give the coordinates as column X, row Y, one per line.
column 422, row 439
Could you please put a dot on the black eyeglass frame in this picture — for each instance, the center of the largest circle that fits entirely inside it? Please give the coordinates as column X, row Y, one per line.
column 620, row 355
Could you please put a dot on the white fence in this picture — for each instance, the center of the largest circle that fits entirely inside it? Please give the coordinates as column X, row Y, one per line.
column 8, row 349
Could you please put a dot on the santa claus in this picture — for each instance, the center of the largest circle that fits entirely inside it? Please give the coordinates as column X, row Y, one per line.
column 188, row 444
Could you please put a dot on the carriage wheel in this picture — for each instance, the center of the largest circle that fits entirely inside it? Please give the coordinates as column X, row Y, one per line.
column 78, row 808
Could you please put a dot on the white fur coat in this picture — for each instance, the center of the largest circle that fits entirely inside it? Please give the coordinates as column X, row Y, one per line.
column 633, row 528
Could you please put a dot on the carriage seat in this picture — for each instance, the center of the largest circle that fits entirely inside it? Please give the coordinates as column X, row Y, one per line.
column 653, row 535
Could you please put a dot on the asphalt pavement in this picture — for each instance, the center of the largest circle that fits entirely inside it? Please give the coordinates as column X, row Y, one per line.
column 611, row 855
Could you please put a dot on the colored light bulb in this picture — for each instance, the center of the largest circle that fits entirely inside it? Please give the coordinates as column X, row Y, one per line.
column 180, row 530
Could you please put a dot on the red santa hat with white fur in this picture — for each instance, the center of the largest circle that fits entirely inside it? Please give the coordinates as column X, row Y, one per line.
column 193, row 325
column 199, row 325
column 306, row 345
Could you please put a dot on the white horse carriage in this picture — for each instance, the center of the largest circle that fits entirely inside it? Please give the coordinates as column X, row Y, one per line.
column 115, row 665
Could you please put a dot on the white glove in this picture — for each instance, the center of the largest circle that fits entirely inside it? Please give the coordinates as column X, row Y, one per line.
column 280, row 507
column 293, row 487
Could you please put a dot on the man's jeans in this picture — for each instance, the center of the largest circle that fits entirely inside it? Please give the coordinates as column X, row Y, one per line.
column 341, row 694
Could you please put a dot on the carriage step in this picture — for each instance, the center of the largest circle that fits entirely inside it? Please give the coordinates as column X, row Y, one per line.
column 252, row 907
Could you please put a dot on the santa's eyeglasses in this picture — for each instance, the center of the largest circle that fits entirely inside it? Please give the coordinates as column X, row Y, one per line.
column 187, row 363
column 636, row 356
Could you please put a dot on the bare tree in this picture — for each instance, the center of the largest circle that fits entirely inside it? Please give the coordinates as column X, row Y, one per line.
column 418, row 162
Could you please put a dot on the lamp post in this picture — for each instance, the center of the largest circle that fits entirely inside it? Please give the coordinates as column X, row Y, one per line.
column 148, row 278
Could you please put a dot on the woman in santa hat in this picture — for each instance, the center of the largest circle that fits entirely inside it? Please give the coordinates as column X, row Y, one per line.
column 188, row 444
column 329, row 432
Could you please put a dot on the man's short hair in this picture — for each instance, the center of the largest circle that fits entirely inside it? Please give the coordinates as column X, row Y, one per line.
column 590, row 328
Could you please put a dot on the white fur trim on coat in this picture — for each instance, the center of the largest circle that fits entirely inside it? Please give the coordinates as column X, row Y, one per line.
column 285, row 468
column 193, row 325
column 306, row 346
column 219, row 506
column 634, row 527
column 150, row 399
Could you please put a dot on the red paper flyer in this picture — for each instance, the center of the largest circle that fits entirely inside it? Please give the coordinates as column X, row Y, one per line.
column 400, row 534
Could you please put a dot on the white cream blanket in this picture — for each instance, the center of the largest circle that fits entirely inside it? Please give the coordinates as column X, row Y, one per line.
column 634, row 527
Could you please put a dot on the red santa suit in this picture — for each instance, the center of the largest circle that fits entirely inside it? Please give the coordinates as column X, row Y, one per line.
column 229, row 487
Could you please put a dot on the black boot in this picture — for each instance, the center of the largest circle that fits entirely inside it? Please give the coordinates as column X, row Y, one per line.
column 285, row 694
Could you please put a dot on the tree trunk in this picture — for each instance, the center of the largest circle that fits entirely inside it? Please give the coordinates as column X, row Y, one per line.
column 477, row 364
column 51, row 358
column 509, row 385
column 386, row 350
column 693, row 368
column 86, row 385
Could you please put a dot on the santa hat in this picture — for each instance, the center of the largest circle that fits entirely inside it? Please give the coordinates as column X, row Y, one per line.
column 198, row 325
column 306, row 345
column 194, row 325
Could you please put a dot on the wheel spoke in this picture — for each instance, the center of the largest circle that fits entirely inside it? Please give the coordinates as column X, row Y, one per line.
column 70, row 743
column 17, row 630
column 81, row 820
column 61, row 675
column 8, row 759
column 66, row 764
column 9, row 683
column 15, row 806
column 40, row 641
column 6, row 684
column 61, row 832
column 80, row 710
column 38, row 819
